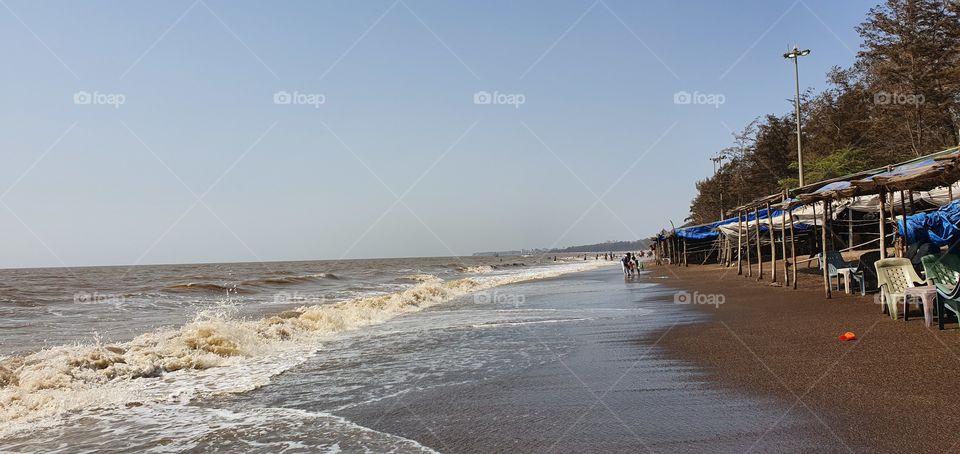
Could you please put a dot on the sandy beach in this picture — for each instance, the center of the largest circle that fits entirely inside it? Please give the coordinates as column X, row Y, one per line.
column 891, row 390
column 603, row 385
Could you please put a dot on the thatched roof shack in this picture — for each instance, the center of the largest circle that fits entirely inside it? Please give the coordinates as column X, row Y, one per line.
column 926, row 173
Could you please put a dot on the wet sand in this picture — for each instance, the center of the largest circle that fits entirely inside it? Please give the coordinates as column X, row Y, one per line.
column 609, row 387
column 893, row 390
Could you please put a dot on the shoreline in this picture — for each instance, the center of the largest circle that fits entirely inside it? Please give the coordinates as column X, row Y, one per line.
column 890, row 390
column 603, row 384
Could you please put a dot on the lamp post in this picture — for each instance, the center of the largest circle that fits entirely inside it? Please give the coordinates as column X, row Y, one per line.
column 718, row 160
column 795, row 55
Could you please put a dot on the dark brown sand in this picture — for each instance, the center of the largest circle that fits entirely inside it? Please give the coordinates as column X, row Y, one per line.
column 893, row 390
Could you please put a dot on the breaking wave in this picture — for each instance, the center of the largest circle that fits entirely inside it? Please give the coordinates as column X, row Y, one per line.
column 294, row 279
column 243, row 354
column 205, row 287
column 481, row 269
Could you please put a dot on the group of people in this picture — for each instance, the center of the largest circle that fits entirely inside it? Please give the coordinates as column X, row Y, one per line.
column 631, row 265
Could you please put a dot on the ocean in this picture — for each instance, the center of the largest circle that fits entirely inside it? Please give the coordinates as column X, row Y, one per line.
column 79, row 342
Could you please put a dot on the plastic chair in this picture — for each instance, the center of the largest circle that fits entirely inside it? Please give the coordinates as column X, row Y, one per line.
column 916, row 252
column 944, row 273
column 894, row 276
column 834, row 263
column 866, row 273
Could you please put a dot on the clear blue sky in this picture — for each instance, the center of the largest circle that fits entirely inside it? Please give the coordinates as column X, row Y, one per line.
column 90, row 184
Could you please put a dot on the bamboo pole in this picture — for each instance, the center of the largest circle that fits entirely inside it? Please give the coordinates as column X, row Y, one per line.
column 656, row 252
column 793, row 250
column 823, row 251
column 783, row 243
column 667, row 254
column 813, row 233
column 674, row 258
column 666, row 250
column 849, row 227
column 773, row 246
column 903, row 211
column 739, row 242
column 673, row 251
column 722, row 250
column 893, row 217
column 747, row 231
column 685, row 263
column 756, row 224
column 883, row 225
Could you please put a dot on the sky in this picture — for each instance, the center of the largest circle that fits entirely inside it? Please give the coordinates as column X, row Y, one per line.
column 219, row 131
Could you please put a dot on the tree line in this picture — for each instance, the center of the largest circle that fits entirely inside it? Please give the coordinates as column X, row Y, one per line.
column 900, row 99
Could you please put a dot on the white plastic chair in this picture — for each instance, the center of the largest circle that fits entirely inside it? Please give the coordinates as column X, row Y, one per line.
column 894, row 276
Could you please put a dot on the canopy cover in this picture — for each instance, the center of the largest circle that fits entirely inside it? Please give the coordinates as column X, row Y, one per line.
column 710, row 232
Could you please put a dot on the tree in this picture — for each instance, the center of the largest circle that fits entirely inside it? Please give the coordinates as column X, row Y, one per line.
column 900, row 99
column 909, row 60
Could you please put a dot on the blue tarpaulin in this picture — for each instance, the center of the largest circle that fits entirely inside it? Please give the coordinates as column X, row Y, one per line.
column 835, row 186
column 709, row 231
column 939, row 227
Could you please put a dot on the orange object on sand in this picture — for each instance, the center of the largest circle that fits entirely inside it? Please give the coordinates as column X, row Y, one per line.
column 847, row 336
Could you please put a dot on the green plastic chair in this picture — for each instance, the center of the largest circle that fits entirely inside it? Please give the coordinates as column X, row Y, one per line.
column 944, row 273
column 894, row 277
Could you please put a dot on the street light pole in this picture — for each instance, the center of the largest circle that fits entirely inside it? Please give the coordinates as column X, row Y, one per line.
column 795, row 55
column 718, row 159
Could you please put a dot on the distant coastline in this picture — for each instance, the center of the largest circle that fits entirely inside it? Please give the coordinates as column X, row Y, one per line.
column 609, row 246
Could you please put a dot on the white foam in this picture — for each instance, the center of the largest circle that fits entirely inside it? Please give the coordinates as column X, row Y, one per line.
column 214, row 354
column 202, row 428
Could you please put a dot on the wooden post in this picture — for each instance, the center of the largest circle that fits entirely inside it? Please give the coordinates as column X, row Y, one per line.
column 756, row 224
column 850, row 242
column 903, row 211
column 721, row 249
column 674, row 257
column 656, row 252
column 793, row 250
column 783, row 242
column 893, row 217
column 883, row 225
column 739, row 242
column 672, row 249
column 747, row 231
column 823, row 252
column 685, row 264
column 813, row 232
column 773, row 245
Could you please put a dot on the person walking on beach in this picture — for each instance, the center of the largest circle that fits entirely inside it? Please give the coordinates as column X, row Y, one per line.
column 627, row 265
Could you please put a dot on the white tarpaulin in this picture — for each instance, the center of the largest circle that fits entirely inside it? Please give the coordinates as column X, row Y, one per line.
column 813, row 214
